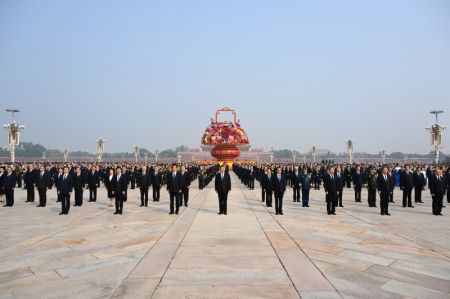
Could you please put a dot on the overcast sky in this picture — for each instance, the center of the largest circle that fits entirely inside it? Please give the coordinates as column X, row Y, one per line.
column 298, row 73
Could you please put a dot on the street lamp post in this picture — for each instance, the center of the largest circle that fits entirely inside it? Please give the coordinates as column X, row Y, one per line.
column 383, row 156
column 314, row 153
column 294, row 155
column 13, row 134
column 136, row 153
column 156, row 155
column 350, row 150
column 436, row 135
column 100, row 149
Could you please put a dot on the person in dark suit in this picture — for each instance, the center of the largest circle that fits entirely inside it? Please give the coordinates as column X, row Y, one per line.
column 357, row 183
column 56, row 178
column 295, row 182
column 419, row 182
column 174, row 189
column 93, row 179
column 9, row 184
column 331, row 191
column 120, row 185
column 185, row 185
column 156, row 183
column 279, row 187
column 79, row 184
column 30, row 180
column 144, row 181
column 65, row 190
column 406, row 184
column 109, row 184
column 222, row 185
column 384, row 190
column 267, row 186
column 263, row 191
column 392, row 184
column 340, row 183
column 437, row 189
column 42, row 184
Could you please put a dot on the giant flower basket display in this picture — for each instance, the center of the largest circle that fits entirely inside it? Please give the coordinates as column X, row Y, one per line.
column 225, row 137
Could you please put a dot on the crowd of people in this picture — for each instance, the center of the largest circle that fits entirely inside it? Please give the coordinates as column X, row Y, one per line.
column 379, row 180
column 68, row 178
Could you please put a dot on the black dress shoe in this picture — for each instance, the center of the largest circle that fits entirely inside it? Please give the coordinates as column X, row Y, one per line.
column 141, row 205
column 281, row 213
column 276, row 213
column 341, row 206
column 61, row 213
column 410, row 206
column 382, row 214
column 6, row 206
column 146, row 205
column 120, row 212
column 171, row 213
column 176, row 212
column 440, row 214
column 333, row 213
column 116, row 212
column 388, row 214
column 225, row 213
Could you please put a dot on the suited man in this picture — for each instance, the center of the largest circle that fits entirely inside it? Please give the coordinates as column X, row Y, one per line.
column 93, row 179
column 30, row 180
column 340, row 183
column 384, row 190
column 144, row 181
column 437, row 189
column 156, row 183
column 392, row 183
column 56, row 178
column 418, row 182
column 261, row 179
column 357, row 183
column 222, row 185
column 279, row 187
column 295, row 182
column 185, row 184
column 42, row 184
column 65, row 190
column 78, row 185
column 267, row 186
column 9, row 183
column 120, row 186
column 174, row 188
column 406, row 184
column 331, row 191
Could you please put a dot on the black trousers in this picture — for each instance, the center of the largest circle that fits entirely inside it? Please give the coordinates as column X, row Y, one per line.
column 358, row 193
column 251, row 184
column 305, row 196
column 263, row 194
column 42, row 196
column 65, row 202
column 349, row 183
column 372, row 197
column 223, row 197
column 448, row 195
column 30, row 192
column 93, row 193
column 144, row 196
column 407, row 197
column 384, row 203
column 119, row 202
column 331, row 198
column 296, row 193
column 278, row 202
column 174, row 200
column 437, row 203
column 268, row 198
column 78, row 197
column 9, row 194
column 184, row 196
column 418, row 194
column 391, row 196
column 340, row 193
column 156, row 193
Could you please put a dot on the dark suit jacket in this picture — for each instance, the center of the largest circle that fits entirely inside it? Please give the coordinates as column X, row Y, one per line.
column 329, row 184
column 295, row 179
column 437, row 187
column 185, row 180
column 174, row 183
column 9, row 181
column 145, row 180
column 266, row 182
column 156, row 180
column 384, row 186
column 278, row 185
column 340, row 181
column 30, row 177
column 93, row 178
column 222, row 185
column 44, row 181
column 406, row 180
column 357, row 179
column 119, row 186
column 65, row 186
column 79, row 181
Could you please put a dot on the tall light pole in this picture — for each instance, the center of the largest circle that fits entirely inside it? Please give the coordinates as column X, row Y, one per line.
column 156, row 155
column 314, row 153
column 436, row 135
column 383, row 156
column 100, row 149
column 179, row 158
column 294, row 155
column 13, row 134
column 136, row 153
column 66, row 154
column 145, row 157
column 350, row 150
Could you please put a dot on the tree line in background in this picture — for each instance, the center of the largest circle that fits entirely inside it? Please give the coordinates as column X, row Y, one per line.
column 29, row 149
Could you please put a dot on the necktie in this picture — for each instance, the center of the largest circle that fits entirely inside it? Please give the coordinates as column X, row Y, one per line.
column 221, row 175
column 65, row 176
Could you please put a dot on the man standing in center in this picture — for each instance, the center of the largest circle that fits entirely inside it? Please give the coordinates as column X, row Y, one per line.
column 279, row 187
column 174, row 188
column 223, row 186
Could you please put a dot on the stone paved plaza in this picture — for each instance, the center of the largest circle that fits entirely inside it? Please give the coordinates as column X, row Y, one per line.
column 250, row 253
